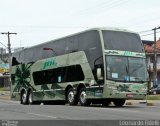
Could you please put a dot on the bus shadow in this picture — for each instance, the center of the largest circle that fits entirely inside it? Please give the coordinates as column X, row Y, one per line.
column 112, row 106
column 100, row 105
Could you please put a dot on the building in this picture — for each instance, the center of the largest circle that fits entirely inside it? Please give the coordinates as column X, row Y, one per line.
column 149, row 49
column 4, row 69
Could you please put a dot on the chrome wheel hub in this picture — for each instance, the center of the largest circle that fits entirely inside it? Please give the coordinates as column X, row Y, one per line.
column 83, row 96
column 30, row 98
column 71, row 96
column 24, row 96
column 154, row 93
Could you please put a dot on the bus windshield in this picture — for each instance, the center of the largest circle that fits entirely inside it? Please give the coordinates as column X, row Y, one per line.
column 122, row 68
column 116, row 40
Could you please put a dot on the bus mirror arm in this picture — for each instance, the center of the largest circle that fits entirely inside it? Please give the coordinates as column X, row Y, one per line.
column 98, row 71
column 97, row 60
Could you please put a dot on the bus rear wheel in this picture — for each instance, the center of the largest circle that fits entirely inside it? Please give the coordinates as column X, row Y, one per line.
column 82, row 97
column 30, row 98
column 71, row 97
column 119, row 102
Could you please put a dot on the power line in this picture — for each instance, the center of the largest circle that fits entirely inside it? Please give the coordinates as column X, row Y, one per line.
column 4, row 45
column 97, row 6
column 144, row 31
column 108, row 5
column 150, row 34
column 143, row 17
column 9, row 46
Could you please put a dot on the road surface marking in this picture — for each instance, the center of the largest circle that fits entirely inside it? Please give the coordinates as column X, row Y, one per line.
column 53, row 117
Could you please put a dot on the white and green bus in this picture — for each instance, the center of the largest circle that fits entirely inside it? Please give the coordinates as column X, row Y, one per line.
column 96, row 66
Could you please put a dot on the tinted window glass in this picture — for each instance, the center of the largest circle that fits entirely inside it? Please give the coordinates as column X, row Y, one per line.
column 114, row 40
column 89, row 42
column 14, row 61
column 122, row 68
column 59, row 75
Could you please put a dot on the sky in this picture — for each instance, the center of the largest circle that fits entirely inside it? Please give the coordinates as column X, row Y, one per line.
column 38, row 21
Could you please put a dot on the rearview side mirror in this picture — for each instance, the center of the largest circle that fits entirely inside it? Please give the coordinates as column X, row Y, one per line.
column 99, row 74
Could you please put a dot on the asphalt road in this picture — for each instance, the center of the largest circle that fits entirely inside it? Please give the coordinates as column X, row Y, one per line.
column 10, row 110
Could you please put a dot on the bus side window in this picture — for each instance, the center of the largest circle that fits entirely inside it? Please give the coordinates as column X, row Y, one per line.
column 14, row 61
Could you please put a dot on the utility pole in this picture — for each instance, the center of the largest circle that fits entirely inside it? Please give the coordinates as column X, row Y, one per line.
column 9, row 47
column 155, row 58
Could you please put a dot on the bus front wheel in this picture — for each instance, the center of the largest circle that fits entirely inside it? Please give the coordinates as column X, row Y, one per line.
column 106, row 103
column 71, row 97
column 82, row 97
column 119, row 102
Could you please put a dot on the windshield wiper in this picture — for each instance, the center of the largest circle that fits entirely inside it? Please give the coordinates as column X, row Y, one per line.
column 126, row 78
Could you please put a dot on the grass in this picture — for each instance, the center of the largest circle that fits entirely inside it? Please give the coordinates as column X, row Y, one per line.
column 2, row 89
column 153, row 97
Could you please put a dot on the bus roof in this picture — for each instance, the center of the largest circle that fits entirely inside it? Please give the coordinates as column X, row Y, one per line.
column 98, row 29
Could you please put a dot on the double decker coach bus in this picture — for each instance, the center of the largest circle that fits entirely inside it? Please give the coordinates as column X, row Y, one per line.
column 100, row 65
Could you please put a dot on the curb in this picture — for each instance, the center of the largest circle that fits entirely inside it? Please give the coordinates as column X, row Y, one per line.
column 145, row 102
column 150, row 104
column 5, row 97
column 4, row 92
column 129, row 103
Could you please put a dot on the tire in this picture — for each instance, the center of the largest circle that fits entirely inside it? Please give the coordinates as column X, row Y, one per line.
column 24, row 98
column 119, row 102
column 154, row 92
column 54, row 102
column 82, row 98
column 61, row 102
column 106, row 102
column 71, row 98
column 30, row 98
